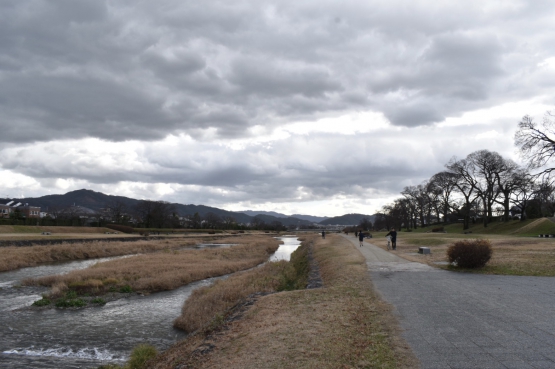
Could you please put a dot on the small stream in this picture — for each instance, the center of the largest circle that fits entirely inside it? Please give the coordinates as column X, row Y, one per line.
column 88, row 338
column 290, row 244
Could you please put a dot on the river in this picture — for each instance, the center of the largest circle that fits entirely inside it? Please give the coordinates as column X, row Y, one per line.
column 88, row 338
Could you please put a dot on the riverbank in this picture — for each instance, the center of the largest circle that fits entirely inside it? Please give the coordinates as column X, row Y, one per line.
column 342, row 324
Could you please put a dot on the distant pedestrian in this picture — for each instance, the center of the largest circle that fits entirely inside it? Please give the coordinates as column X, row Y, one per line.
column 356, row 233
column 361, row 238
column 393, row 235
column 323, row 234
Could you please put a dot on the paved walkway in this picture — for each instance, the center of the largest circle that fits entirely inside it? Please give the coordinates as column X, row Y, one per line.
column 462, row 320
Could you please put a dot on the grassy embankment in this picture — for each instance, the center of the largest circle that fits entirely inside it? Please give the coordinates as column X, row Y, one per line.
column 20, row 257
column 208, row 305
column 516, row 248
column 342, row 325
column 155, row 272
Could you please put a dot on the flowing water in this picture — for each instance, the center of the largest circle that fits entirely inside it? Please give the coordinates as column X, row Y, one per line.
column 290, row 244
column 87, row 338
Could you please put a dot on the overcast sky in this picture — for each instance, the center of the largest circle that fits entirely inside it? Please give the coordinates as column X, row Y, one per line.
column 312, row 107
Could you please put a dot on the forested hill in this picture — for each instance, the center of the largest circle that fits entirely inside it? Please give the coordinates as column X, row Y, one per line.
column 348, row 219
column 289, row 221
column 302, row 217
column 85, row 198
column 97, row 200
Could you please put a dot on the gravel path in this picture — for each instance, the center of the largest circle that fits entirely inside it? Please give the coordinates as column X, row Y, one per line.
column 461, row 320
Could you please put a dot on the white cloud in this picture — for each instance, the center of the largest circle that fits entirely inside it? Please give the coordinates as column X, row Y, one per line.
column 299, row 105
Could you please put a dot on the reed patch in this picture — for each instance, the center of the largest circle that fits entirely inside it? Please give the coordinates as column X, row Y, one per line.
column 160, row 271
column 20, row 257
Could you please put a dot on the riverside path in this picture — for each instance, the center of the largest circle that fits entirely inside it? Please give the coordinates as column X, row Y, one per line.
column 462, row 320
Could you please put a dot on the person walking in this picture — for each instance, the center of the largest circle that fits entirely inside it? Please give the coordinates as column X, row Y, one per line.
column 361, row 238
column 323, row 234
column 393, row 235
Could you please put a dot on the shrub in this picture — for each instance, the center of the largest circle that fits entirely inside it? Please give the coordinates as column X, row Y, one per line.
column 140, row 356
column 64, row 303
column 120, row 228
column 98, row 301
column 45, row 301
column 126, row 289
column 71, row 295
column 439, row 229
column 470, row 253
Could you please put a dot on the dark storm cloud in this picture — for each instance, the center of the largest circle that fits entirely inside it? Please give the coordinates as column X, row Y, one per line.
column 122, row 70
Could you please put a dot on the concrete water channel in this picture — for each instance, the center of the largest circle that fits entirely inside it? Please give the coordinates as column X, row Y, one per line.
column 88, row 338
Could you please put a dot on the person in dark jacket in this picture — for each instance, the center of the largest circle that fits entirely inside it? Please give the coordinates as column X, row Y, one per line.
column 361, row 238
column 393, row 235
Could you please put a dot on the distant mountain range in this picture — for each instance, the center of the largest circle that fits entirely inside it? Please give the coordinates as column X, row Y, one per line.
column 348, row 219
column 97, row 200
column 310, row 218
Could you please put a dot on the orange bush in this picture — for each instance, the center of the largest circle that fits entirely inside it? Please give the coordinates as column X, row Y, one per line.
column 470, row 253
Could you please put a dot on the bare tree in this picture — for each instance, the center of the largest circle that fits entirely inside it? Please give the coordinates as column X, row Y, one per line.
column 277, row 226
column 229, row 222
column 442, row 186
column 383, row 219
column 55, row 212
column 537, row 143
column 258, row 223
column 508, row 181
column 154, row 214
column 415, row 202
column 524, row 193
column 488, row 166
column 465, row 183
column 399, row 214
column 545, row 197
column 117, row 211
column 365, row 224
column 212, row 220
column 196, row 221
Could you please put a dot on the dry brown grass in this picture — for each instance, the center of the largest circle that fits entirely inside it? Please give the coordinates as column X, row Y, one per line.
column 166, row 270
column 343, row 325
column 205, row 304
column 210, row 304
column 512, row 255
column 20, row 257
column 53, row 229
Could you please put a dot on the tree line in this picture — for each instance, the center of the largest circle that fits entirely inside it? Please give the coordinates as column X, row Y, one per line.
column 483, row 186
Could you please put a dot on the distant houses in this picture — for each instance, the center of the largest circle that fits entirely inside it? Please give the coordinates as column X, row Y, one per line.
column 22, row 210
